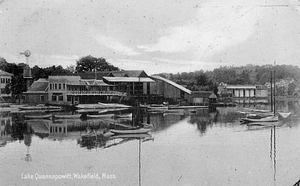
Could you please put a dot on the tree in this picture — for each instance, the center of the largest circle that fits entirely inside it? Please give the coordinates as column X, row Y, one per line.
column 291, row 88
column 90, row 63
column 201, row 80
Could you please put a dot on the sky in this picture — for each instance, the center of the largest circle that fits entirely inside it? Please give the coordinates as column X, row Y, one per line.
column 157, row 36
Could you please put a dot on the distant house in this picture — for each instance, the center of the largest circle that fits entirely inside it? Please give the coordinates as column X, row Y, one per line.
column 37, row 92
column 201, row 98
column 242, row 93
column 5, row 78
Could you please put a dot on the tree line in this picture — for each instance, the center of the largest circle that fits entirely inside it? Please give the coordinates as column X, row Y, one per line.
column 244, row 75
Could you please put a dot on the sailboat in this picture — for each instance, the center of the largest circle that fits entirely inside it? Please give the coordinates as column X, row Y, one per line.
column 274, row 117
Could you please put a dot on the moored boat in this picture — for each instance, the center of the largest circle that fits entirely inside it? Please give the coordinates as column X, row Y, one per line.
column 74, row 116
column 100, row 116
column 265, row 119
column 131, row 131
column 40, row 108
column 48, row 116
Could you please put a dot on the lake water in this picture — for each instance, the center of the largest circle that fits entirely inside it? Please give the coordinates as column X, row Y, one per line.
column 202, row 148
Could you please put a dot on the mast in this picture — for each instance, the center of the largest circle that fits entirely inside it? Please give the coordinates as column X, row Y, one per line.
column 271, row 81
column 274, row 89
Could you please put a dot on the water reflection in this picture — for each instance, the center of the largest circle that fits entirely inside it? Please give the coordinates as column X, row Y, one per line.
column 174, row 148
column 273, row 152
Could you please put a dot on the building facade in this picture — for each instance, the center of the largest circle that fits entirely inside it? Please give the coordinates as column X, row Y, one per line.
column 5, row 78
column 243, row 93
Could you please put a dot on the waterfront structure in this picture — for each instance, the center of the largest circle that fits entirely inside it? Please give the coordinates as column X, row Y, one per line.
column 5, row 78
column 134, row 83
column 37, row 93
column 201, row 98
column 168, row 89
column 242, row 93
column 131, row 87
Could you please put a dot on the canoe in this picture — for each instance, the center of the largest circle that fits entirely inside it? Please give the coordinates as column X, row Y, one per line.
column 265, row 119
column 102, row 106
column 131, row 131
column 136, row 136
column 124, row 116
column 40, row 108
column 48, row 116
column 68, row 116
column 266, row 124
column 100, row 116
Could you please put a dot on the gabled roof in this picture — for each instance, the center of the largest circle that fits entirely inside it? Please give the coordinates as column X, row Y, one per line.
column 40, row 85
column 135, row 73
column 172, row 83
column 123, row 73
column 3, row 73
column 204, row 94
column 92, row 75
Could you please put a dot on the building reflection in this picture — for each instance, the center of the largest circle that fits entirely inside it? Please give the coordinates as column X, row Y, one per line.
column 204, row 118
column 5, row 129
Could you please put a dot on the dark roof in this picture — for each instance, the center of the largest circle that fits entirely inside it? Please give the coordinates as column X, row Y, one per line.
column 39, row 85
column 204, row 94
column 101, row 74
column 91, row 75
column 3, row 73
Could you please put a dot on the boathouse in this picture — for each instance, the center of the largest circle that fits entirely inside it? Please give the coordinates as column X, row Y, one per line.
column 5, row 78
column 204, row 98
column 134, row 83
column 243, row 93
column 168, row 89
column 74, row 90
column 38, row 92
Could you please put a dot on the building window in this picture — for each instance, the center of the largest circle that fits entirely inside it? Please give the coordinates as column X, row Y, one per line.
column 59, row 86
column 50, row 86
column 2, row 80
column 53, row 97
column 55, row 86
column 42, row 98
column 60, row 98
column 64, row 86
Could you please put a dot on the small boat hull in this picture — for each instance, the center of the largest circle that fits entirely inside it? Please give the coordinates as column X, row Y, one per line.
column 100, row 116
column 67, row 116
column 130, row 131
column 38, row 116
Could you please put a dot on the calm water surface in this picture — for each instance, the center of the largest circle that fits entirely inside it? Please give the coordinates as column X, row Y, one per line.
column 203, row 148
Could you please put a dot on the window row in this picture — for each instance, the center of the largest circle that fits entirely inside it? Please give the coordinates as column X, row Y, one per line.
column 57, row 86
column 5, row 80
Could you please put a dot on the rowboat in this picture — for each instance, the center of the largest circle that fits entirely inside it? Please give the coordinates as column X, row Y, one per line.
column 67, row 116
column 40, row 108
column 102, row 106
column 124, row 116
column 48, row 116
column 266, row 124
column 131, row 131
column 136, row 136
column 265, row 119
column 100, row 116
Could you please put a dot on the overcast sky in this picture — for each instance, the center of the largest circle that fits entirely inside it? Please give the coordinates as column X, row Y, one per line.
column 152, row 35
